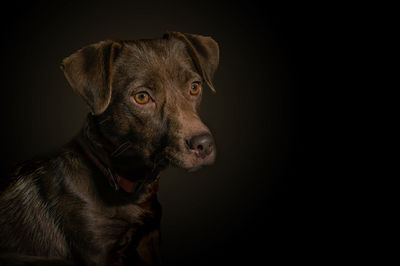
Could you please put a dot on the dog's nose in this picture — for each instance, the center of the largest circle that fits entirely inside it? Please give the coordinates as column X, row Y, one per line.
column 203, row 144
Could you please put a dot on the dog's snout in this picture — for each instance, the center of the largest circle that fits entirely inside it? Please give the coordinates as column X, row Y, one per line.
column 203, row 144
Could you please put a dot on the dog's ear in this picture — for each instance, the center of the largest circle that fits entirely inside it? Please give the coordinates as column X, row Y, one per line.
column 89, row 71
column 204, row 52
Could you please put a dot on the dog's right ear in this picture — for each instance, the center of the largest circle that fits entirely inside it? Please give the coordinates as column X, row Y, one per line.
column 89, row 71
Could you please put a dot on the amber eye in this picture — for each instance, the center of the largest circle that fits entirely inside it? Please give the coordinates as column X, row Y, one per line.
column 142, row 97
column 195, row 88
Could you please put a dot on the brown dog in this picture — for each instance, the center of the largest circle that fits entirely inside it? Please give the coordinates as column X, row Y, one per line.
column 95, row 202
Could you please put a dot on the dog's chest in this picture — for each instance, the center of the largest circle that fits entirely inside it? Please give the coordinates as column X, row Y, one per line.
column 122, row 233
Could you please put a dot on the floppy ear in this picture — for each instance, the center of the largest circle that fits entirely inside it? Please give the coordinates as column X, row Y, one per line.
column 89, row 71
column 204, row 52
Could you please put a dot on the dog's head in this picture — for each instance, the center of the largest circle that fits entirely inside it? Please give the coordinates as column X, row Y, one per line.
column 145, row 95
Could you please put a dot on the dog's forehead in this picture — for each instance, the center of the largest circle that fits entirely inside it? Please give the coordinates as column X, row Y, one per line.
column 157, row 59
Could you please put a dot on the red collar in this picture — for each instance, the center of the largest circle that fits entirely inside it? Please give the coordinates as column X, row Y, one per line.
column 116, row 181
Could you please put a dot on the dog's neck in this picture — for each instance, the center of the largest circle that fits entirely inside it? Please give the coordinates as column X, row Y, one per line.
column 122, row 173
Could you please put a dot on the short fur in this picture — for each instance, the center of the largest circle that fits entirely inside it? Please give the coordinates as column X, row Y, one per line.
column 62, row 210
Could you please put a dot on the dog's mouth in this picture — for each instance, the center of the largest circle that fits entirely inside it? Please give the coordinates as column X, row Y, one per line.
column 204, row 162
column 190, row 162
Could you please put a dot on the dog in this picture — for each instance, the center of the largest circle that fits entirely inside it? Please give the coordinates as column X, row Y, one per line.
column 95, row 201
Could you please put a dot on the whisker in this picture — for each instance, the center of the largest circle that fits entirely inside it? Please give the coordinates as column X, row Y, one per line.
column 123, row 147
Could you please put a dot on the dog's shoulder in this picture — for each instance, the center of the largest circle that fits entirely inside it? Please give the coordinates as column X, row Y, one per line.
column 21, row 172
column 24, row 211
column 34, row 169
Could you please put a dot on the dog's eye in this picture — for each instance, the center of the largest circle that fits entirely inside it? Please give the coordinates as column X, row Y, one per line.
column 142, row 97
column 195, row 88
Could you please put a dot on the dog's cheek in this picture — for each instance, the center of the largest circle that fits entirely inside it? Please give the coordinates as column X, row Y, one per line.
column 157, row 135
column 176, row 151
column 181, row 159
column 148, row 138
column 127, row 122
column 117, row 122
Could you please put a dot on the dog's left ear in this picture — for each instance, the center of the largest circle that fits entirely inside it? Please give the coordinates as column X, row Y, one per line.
column 204, row 52
column 89, row 72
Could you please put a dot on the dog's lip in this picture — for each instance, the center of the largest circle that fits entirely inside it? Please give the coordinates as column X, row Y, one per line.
column 199, row 162
column 195, row 163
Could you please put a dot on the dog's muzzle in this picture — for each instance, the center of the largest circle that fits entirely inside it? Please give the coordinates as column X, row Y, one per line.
column 202, row 149
column 201, row 145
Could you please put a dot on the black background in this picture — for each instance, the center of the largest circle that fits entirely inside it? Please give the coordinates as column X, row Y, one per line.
column 257, row 203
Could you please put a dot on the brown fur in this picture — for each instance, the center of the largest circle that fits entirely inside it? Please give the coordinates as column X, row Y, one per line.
column 61, row 210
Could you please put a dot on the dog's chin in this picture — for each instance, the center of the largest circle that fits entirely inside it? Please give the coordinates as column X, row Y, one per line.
column 192, row 163
column 195, row 168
